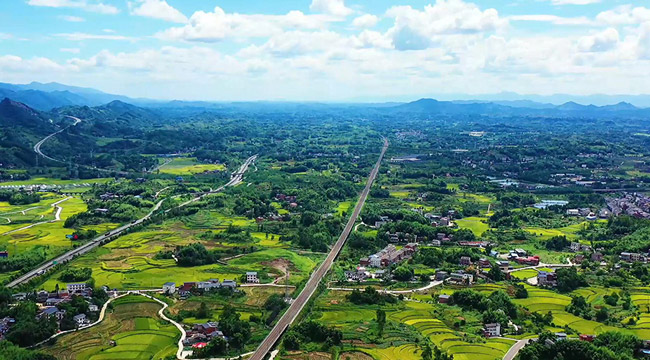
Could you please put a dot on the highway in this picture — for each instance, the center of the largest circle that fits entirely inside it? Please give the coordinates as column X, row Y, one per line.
column 296, row 307
column 236, row 179
column 37, row 147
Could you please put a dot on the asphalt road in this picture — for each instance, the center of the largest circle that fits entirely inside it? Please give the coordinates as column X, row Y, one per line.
column 316, row 277
column 235, row 180
column 37, row 147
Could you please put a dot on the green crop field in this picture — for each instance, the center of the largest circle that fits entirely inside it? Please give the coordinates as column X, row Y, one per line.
column 134, row 325
column 187, row 166
column 476, row 224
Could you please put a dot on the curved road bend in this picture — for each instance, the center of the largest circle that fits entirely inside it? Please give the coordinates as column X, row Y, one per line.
column 316, row 277
column 37, row 147
column 235, row 180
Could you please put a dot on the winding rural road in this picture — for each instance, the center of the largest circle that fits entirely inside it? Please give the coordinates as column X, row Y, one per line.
column 236, row 179
column 57, row 217
column 37, row 147
column 296, row 307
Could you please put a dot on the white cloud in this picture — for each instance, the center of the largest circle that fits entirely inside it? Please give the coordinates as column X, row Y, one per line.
column 97, row 7
column 416, row 30
column 5, row 36
column 554, row 19
column 78, row 36
column 73, row 18
column 157, row 9
column 602, row 41
column 574, row 2
column 365, row 21
column 218, row 25
column 330, row 7
column 624, row 15
column 70, row 50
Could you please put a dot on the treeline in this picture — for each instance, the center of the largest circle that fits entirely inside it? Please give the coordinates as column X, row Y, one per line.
column 19, row 197
column 610, row 345
column 191, row 255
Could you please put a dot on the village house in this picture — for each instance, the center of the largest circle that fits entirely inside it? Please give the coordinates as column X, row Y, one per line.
column 209, row 285
column 4, row 254
column 444, row 299
column 597, row 257
column 460, row 278
column 5, row 325
column 169, row 288
column 251, row 277
column 465, row 261
column 484, row 263
column 93, row 308
column 389, row 256
column 632, row 257
column 229, row 284
column 76, row 288
column 503, row 265
column 80, row 319
column 186, row 289
column 545, row 278
column 578, row 259
column 441, row 275
column 356, row 275
column 531, row 260
column 492, row 330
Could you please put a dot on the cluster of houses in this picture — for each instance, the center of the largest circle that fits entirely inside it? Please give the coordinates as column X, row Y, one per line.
column 521, row 256
column 4, row 254
column 633, row 257
column 48, row 305
column 588, row 214
column 633, row 204
column 388, row 256
column 362, row 274
column 290, row 199
column 401, row 237
column 201, row 334
column 188, row 288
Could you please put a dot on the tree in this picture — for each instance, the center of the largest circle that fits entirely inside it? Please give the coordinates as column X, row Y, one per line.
column 403, row 273
column 381, row 320
column 203, row 312
column 496, row 274
column 568, row 279
column 426, row 352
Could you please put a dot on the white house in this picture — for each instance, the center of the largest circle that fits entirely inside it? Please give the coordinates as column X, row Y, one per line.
column 492, row 330
column 209, row 285
column 251, row 277
column 73, row 288
column 229, row 283
column 93, row 308
column 80, row 319
column 169, row 288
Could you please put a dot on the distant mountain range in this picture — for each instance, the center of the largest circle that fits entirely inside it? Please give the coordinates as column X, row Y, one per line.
column 46, row 97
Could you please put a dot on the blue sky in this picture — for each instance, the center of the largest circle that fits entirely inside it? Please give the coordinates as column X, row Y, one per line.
column 328, row 50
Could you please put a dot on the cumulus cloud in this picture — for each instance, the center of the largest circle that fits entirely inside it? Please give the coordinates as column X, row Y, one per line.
column 365, row 21
column 218, row 25
column 157, row 9
column 602, row 41
column 97, row 7
column 624, row 15
column 415, row 29
column 554, row 19
column 330, row 7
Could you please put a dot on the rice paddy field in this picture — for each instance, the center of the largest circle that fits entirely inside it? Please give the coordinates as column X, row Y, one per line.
column 51, row 236
column 129, row 261
column 188, row 166
column 134, row 326
column 50, row 181
column 419, row 318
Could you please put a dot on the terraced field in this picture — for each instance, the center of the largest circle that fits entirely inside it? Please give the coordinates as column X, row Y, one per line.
column 422, row 318
column 134, row 325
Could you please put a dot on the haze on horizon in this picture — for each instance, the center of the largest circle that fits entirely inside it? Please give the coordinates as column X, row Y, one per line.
column 328, row 50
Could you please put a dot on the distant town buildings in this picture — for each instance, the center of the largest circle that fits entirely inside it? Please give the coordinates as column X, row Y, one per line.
column 389, row 256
